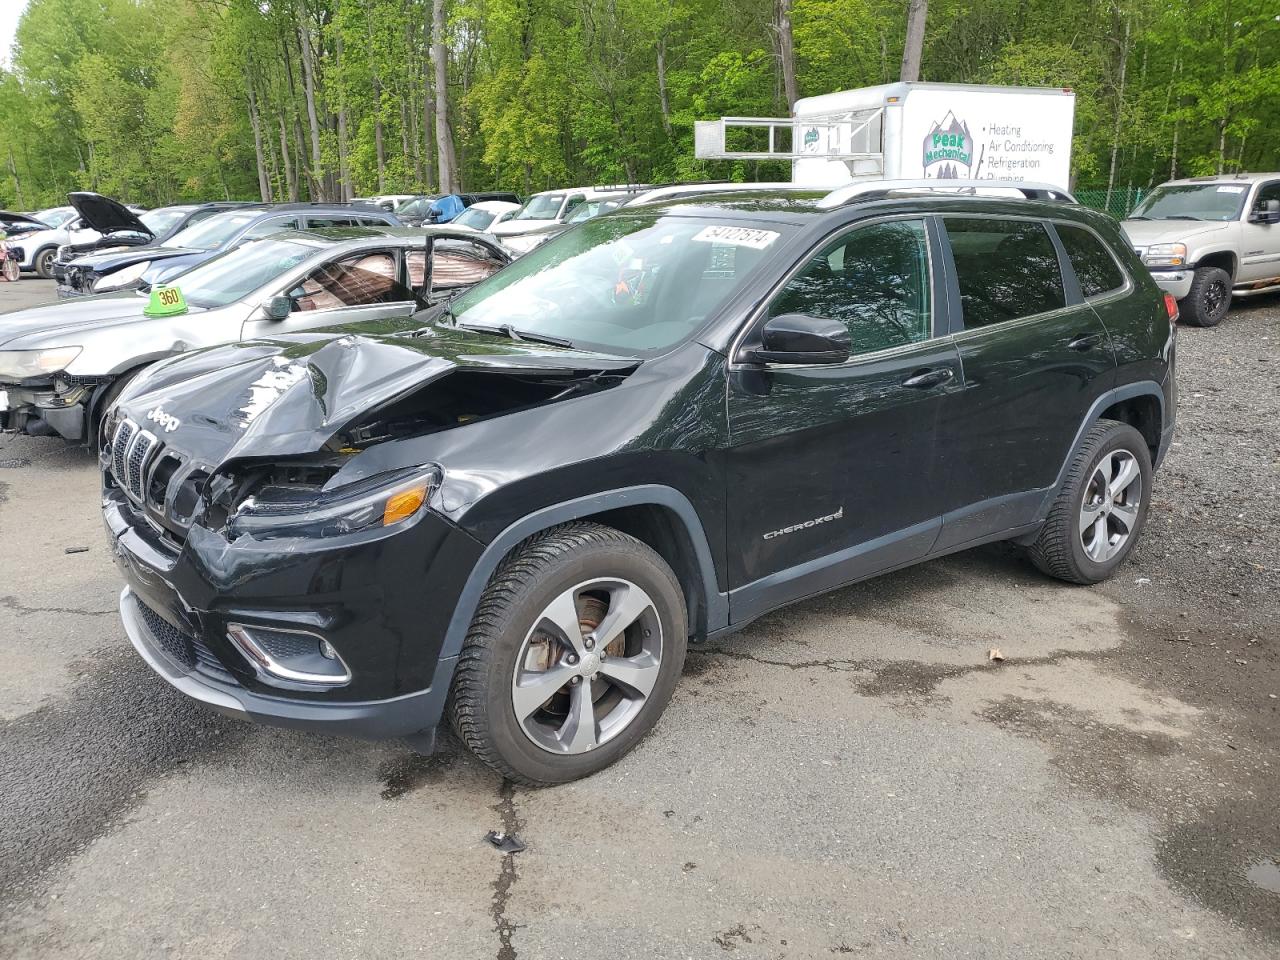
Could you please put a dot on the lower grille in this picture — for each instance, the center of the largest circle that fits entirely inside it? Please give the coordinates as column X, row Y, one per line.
column 182, row 648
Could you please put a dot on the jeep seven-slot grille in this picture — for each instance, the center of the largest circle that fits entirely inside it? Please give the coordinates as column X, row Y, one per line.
column 131, row 450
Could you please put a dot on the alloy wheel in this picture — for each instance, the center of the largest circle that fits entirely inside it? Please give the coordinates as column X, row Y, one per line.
column 587, row 666
column 1109, row 510
column 1214, row 296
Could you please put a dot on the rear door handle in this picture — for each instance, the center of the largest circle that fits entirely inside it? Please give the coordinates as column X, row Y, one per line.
column 925, row 379
column 1086, row 342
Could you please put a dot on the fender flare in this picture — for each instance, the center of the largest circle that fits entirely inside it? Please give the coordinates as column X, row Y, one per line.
column 645, row 494
column 1140, row 388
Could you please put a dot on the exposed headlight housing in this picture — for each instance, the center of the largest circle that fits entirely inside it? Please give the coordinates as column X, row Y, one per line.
column 1166, row 255
column 25, row 364
column 370, row 504
column 124, row 277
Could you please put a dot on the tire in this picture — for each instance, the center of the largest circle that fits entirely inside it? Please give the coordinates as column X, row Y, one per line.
column 96, row 414
column 44, row 263
column 1071, row 546
column 1209, row 299
column 514, row 628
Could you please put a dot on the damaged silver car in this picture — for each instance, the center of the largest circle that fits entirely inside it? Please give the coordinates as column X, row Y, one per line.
column 61, row 365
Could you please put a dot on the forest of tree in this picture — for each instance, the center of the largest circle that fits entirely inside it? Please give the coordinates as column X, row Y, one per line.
column 156, row 101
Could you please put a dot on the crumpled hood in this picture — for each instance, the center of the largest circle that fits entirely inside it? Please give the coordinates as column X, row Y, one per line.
column 58, row 324
column 106, row 215
column 289, row 396
column 1143, row 233
column 105, row 261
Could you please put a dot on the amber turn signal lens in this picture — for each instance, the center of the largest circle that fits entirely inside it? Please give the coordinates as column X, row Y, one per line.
column 403, row 505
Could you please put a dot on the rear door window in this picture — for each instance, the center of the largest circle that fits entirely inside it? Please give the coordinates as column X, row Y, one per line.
column 460, row 263
column 1095, row 267
column 1006, row 269
column 268, row 227
column 318, row 223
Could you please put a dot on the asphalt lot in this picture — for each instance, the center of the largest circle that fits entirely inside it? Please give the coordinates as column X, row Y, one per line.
column 850, row 775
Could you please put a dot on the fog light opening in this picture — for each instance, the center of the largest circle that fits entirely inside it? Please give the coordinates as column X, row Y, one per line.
column 286, row 658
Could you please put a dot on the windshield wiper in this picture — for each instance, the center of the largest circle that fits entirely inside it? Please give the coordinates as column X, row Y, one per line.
column 520, row 336
column 1137, row 218
column 1181, row 216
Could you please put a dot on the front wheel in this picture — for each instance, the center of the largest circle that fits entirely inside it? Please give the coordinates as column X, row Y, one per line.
column 1209, row 299
column 1099, row 513
column 44, row 263
column 573, row 655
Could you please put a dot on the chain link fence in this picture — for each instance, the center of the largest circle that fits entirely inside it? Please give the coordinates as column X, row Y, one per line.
column 1121, row 204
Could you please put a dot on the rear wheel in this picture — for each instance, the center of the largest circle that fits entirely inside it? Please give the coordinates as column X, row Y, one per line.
column 575, row 650
column 44, row 263
column 1100, row 511
column 1209, row 299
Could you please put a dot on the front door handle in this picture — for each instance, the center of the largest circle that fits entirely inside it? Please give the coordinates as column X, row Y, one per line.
column 1086, row 342
column 926, row 379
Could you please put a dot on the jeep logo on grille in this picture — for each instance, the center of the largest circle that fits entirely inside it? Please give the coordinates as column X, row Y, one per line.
column 165, row 421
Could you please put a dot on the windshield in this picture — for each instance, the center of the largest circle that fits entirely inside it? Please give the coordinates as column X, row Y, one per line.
column 1193, row 201
column 416, row 207
column 473, row 218
column 630, row 285
column 55, row 216
column 542, row 207
column 215, row 232
column 163, row 220
column 237, row 274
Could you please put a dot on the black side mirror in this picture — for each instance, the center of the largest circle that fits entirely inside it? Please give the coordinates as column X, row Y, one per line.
column 1268, row 212
column 278, row 308
column 797, row 338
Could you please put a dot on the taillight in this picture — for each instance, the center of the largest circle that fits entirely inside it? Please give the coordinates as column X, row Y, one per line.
column 1171, row 305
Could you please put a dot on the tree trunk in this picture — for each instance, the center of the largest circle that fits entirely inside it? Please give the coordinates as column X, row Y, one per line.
column 290, row 174
column 295, row 119
column 786, row 51
column 1119, row 125
column 264, row 188
column 17, row 184
column 1222, row 145
column 447, row 156
column 663, row 100
column 912, row 52
column 309, row 88
column 428, row 110
column 344, row 150
column 415, row 135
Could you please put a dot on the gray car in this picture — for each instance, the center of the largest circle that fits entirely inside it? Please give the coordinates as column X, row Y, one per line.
column 62, row 364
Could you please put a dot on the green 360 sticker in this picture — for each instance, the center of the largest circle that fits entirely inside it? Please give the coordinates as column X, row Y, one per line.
column 165, row 302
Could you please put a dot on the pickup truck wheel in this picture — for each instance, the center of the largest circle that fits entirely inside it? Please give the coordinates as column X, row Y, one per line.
column 574, row 652
column 44, row 263
column 1099, row 513
column 1209, row 299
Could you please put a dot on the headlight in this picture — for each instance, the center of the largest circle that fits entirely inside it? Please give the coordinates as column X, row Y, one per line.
column 381, row 501
column 24, row 364
column 1166, row 255
column 124, row 277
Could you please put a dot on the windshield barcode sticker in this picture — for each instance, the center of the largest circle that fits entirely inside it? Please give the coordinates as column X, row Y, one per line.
column 1231, row 189
column 737, row 236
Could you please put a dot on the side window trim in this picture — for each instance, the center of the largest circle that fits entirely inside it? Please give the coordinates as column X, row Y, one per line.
column 759, row 313
column 1121, row 291
column 1070, row 282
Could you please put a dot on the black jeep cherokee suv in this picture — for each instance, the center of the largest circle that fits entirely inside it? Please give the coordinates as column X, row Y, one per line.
column 651, row 430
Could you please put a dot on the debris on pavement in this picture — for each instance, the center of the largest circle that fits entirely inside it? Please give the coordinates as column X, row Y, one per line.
column 506, row 842
column 995, row 655
column 76, row 550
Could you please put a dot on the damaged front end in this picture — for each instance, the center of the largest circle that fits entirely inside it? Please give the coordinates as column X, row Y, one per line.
column 247, row 529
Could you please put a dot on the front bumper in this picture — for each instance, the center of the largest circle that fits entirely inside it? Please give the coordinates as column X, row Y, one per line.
column 370, row 719
column 365, row 598
column 43, row 410
column 1176, row 282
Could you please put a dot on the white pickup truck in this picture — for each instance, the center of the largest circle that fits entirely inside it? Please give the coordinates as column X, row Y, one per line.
column 1208, row 239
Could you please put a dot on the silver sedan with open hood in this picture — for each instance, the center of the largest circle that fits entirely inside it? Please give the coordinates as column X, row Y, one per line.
column 61, row 365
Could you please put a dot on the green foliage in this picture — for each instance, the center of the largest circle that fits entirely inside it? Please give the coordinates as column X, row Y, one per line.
column 160, row 100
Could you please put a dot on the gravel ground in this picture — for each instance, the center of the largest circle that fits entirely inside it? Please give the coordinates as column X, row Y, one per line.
column 846, row 776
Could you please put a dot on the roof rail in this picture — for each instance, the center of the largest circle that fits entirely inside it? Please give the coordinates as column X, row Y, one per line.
column 876, row 189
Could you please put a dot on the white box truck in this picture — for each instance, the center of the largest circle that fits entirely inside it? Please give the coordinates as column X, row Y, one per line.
column 909, row 131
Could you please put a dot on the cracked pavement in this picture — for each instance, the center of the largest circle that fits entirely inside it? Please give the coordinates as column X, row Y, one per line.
column 848, row 776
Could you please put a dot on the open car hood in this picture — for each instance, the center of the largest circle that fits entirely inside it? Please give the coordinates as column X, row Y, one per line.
column 106, row 215
column 7, row 216
column 290, row 396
